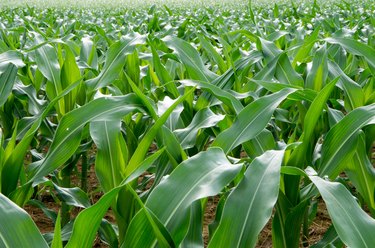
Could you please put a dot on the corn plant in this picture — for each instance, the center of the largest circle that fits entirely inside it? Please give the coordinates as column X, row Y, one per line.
column 270, row 109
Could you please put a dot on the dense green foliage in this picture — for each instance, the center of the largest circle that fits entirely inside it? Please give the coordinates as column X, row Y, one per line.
column 271, row 109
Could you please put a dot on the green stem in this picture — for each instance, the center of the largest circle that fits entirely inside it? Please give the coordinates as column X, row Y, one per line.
column 305, row 232
column 65, row 182
column 85, row 167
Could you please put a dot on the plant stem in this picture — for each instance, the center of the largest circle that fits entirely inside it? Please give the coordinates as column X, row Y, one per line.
column 85, row 167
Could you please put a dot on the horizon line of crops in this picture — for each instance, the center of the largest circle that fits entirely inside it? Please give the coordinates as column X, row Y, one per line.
column 123, row 5
column 271, row 110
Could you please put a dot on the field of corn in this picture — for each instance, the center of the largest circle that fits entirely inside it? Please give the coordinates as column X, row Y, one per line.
column 124, row 125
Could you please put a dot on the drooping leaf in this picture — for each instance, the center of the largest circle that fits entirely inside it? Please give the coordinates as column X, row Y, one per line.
column 202, row 119
column 12, row 232
column 190, row 181
column 352, row 224
column 250, row 121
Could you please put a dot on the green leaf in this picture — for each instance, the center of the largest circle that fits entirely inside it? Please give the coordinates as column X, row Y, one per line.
column 88, row 221
column 12, row 166
column 145, row 220
column 146, row 141
column 260, row 144
column 356, row 48
column 317, row 76
column 285, row 72
column 362, row 173
column 269, row 49
column 88, row 53
column 68, row 134
column 338, row 144
column 73, row 196
column 48, row 64
column 354, row 227
column 353, row 91
column 213, row 53
column 70, row 73
column 57, row 242
column 109, row 160
column 202, row 119
column 223, row 95
column 7, row 77
column 190, row 58
column 163, row 74
column 190, row 181
column 250, row 121
column 330, row 239
column 300, row 155
column 249, row 206
column 17, row 228
column 194, row 237
column 305, row 48
column 13, row 57
column 115, row 61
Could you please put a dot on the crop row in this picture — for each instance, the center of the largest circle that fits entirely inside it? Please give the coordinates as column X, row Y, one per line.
column 269, row 109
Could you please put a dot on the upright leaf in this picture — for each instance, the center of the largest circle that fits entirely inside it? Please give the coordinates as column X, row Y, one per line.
column 109, row 162
column 7, row 77
column 362, row 173
column 68, row 134
column 338, row 144
column 249, row 206
column 115, row 61
column 190, row 58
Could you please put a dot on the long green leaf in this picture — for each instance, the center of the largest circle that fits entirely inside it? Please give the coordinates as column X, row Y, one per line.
column 338, row 144
column 68, row 134
column 356, row 48
column 354, row 227
column 223, row 95
column 285, row 72
column 249, row 206
column 190, row 58
column 17, row 229
column 202, row 119
column 109, row 161
column 12, row 166
column 362, row 173
column 190, row 181
column 7, row 77
column 12, row 57
column 250, row 121
column 57, row 242
column 352, row 90
column 115, row 60
column 88, row 221
column 145, row 143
